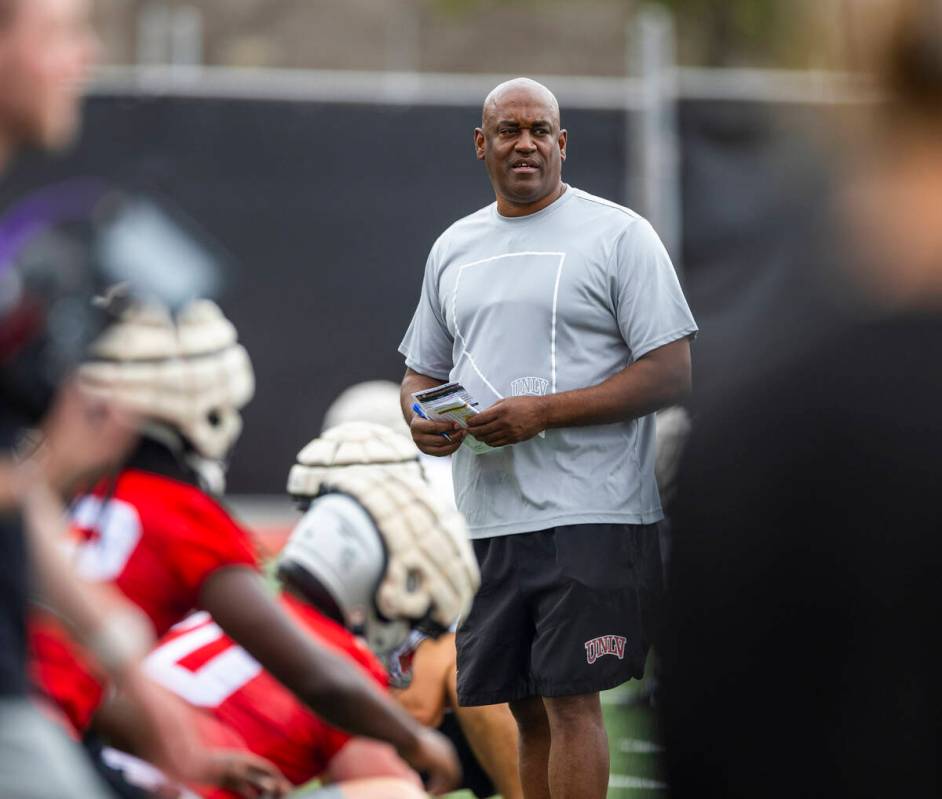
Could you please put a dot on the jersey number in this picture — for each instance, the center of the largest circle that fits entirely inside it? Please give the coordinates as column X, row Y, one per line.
column 215, row 680
column 118, row 529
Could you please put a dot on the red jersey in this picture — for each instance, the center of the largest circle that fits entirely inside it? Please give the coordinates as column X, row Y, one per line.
column 199, row 663
column 157, row 540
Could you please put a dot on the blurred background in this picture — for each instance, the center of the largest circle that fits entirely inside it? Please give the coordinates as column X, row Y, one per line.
column 326, row 143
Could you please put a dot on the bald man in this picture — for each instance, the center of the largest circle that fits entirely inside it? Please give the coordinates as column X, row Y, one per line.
column 562, row 315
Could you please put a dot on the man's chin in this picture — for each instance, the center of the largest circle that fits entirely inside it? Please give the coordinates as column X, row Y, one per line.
column 527, row 195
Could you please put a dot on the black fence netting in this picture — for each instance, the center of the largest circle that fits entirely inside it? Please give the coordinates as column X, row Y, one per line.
column 329, row 211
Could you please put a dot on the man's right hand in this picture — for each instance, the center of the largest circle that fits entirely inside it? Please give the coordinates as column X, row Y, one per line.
column 429, row 436
column 433, row 755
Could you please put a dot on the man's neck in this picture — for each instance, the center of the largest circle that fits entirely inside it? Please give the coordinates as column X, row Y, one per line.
column 507, row 208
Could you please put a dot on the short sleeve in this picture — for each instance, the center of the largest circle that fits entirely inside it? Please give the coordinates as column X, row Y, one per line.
column 650, row 306
column 427, row 345
column 209, row 539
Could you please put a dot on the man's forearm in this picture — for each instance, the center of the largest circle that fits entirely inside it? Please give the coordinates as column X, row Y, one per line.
column 646, row 386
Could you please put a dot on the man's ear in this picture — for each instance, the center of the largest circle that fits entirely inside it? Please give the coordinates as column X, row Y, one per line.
column 479, row 143
column 563, row 138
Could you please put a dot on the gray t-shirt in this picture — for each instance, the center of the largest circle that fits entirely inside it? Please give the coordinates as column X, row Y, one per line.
column 558, row 300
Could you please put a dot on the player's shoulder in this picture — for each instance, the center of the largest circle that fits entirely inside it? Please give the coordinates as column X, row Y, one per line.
column 171, row 499
column 159, row 490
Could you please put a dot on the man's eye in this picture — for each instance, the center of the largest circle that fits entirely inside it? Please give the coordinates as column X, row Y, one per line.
column 540, row 132
column 508, row 131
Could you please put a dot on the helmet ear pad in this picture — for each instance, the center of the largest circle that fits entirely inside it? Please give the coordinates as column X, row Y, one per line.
column 301, row 582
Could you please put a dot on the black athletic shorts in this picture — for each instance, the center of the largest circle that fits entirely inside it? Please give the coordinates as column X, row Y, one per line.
column 560, row 612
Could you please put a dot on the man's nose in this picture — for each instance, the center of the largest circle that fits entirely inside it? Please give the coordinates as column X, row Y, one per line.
column 525, row 141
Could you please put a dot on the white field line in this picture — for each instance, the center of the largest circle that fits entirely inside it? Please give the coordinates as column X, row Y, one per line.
column 627, row 783
column 634, row 746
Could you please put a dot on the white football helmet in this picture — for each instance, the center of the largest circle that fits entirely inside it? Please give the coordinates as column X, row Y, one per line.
column 378, row 401
column 384, row 554
column 374, row 400
column 188, row 372
column 347, row 446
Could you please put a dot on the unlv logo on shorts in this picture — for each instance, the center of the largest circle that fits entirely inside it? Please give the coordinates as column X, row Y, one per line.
column 605, row 645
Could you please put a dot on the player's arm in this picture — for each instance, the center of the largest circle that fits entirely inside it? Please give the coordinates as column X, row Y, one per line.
column 427, row 695
column 429, row 436
column 120, row 721
column 241, row 604
column 81, row 439
column 660, row 378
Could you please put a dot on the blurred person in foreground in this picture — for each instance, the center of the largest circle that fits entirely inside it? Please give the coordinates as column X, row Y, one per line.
column 484, row 737
column 155, row 529
column 562, row 314
column 46, row 49
column 344, row 559
column 803, row 656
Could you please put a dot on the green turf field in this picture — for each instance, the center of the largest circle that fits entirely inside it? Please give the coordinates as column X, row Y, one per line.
column 635, row 771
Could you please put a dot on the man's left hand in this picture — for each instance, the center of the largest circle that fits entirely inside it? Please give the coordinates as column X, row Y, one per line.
column 509, row 421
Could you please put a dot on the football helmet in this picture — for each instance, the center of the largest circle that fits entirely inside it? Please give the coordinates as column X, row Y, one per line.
column 377, row 549
column 346, row 446
column 185, row 371
column 376, row 400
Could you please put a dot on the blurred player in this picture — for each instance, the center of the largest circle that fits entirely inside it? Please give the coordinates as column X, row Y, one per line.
column 805, row 575
column 170, row 547
column 46, row 49
column 486, row 736
column 336, row 562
